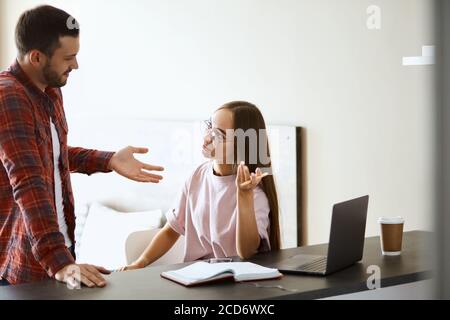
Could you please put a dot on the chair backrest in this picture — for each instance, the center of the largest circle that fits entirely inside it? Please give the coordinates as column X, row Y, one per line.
column 138, row 241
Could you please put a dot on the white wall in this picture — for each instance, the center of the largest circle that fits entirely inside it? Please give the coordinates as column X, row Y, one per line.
column 308, row 63
column 3, row 30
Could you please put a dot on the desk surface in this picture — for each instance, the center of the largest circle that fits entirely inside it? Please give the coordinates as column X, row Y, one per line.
column 413, row 265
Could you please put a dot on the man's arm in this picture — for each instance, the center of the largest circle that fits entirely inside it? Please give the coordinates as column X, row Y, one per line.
column 20, row 157
column 89, row 161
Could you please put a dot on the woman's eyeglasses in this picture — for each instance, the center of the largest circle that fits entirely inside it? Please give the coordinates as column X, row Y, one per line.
column 208, row 124
column 215, row 133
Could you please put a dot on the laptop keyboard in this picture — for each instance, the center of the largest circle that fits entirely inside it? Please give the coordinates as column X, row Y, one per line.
column 319, row 265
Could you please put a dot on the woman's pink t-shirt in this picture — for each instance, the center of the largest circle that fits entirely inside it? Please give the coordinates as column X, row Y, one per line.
column 206, row 213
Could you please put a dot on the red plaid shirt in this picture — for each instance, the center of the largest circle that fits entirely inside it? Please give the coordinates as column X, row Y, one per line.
column 32, row 248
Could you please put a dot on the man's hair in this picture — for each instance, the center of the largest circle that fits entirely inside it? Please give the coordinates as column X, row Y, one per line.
column 40, row 29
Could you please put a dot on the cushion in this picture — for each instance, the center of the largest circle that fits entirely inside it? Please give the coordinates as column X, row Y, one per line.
column 105, row 233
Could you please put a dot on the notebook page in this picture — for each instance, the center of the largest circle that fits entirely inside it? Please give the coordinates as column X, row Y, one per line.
column 250, row 271
column 241, row 271
column 200, row 271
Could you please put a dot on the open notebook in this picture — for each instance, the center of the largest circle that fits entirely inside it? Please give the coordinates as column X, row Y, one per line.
column 201, row 272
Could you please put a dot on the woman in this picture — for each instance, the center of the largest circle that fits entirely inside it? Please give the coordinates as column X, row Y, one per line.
column 228, row 207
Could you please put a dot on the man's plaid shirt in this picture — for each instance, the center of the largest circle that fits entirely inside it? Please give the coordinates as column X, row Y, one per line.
column 31, row 246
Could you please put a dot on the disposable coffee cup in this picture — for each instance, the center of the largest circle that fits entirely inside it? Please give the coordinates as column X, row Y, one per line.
column 391, row 235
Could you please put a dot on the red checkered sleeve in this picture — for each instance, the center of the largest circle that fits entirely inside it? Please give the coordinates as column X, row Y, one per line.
column 19, row 154
column 89, row 161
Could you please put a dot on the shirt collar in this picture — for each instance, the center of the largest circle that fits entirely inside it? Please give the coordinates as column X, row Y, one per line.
column 16, row 70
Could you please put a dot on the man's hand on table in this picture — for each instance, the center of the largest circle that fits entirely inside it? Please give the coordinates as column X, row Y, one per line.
column 90, row 275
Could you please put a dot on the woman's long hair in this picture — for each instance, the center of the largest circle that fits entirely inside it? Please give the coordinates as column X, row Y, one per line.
column 247, row 116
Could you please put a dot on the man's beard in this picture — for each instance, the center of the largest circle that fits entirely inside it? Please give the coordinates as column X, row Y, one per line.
column 52, row 79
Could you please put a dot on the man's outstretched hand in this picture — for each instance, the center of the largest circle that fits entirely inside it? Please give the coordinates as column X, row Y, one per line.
column 124, row 163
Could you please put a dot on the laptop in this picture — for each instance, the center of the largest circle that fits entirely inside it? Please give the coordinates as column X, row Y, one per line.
column 346, row 246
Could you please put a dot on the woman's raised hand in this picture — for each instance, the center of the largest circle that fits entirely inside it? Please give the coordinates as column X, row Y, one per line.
column 246, row 181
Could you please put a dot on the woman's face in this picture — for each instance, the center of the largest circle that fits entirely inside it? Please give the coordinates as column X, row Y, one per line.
column 216, row 144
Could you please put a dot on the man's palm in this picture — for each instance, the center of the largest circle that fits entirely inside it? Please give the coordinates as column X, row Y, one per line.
column 125, row 164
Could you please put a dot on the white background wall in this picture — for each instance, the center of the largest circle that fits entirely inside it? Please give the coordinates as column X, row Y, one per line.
column 308, row 63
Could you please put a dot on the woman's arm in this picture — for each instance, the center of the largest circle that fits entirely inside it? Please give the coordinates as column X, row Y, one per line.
column 247, row 235
column 161, row 243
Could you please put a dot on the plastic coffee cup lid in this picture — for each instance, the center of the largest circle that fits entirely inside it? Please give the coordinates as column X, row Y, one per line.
column 393, row 220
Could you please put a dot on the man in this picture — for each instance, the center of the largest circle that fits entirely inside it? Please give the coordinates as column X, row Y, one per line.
column 37, row 219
